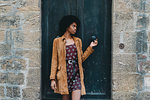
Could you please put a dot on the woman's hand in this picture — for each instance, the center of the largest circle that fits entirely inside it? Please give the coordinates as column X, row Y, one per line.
column 95, row 43
column 53, row 84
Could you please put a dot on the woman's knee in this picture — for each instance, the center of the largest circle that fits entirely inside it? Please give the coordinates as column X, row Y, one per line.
column 76, row 95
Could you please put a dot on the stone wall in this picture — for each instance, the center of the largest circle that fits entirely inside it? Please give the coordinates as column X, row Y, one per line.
column 20, row 49
column 131, row 65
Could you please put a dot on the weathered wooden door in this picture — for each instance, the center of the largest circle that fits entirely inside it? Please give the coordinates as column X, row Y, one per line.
column 95, row 17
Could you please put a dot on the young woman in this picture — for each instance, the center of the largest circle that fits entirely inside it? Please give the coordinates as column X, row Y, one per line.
column 67, row 57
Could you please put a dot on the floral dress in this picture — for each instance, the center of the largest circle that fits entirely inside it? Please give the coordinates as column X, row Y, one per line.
column 73, row 76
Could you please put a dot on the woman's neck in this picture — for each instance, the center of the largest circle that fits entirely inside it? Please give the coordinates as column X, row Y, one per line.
column 67, row 35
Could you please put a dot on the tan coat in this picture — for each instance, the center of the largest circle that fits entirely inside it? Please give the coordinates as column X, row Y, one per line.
column 58, row 64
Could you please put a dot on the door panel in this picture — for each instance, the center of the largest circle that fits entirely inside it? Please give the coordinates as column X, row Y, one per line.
column 95, row 17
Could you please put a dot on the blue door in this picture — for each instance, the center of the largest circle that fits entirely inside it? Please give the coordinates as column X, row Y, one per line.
column 95, row 17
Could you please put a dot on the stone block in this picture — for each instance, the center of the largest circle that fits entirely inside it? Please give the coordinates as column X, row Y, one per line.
column 19, row 4
column 144, row 67
column 31, row 21
column 4, row 2
column 34, row 57
column 33, row 78
column 27, row 39
column 16, row 78
column 11, row 98
column 31, row 93
column 13, row 64
column 141, row 42
column 3, row 77
column 147, row 82
column 124, row 63
column 13, row 92
column 15, row 21
column 148, row 32
column 140, row 83
column 2, row 35
column 5, row 7
column 32, row 39
column 142, row 21
column 11, row 21
column 127, row 5
column 115, row 42
column 5, row 49
column 143, row 95
column 125, row 82
column 124, row 96
column 141, row 57
column 16, row 92
column 8, row 37
column 129, row 39
column 124, row 21
column 146, row 5
column 4, row 23
column 28, row 5
column 4, row 64
column 18, row 37
column 30, row 99
column 2, row 92
column 9, row 92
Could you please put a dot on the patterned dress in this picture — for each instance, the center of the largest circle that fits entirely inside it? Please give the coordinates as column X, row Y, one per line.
column 73, row 76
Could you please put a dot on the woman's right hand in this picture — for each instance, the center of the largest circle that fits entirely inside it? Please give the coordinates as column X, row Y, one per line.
column 53, row 84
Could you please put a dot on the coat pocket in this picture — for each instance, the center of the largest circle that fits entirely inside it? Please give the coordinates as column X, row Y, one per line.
column 58, row 72
column 58, row 75
column 59, row 67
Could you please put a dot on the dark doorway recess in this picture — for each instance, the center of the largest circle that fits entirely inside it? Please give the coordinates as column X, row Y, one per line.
column 95, row 17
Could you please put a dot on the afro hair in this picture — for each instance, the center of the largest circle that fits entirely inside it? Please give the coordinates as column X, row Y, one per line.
column 66, row 21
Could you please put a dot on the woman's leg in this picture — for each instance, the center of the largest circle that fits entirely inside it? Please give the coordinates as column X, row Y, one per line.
column 76, row 95
column 65, row 97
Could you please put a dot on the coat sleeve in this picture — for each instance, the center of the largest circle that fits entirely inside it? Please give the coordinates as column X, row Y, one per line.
column 54, row 62
column 86, row 53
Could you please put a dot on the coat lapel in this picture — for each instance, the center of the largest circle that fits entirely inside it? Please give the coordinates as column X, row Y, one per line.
column 64, row 45
column 76, row 41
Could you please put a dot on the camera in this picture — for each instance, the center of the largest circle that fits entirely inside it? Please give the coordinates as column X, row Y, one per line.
column 93, row 38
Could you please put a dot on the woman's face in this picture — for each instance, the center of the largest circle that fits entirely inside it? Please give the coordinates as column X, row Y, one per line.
column 72, row 28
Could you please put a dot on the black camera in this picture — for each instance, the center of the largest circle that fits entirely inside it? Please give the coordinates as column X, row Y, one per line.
column 93, row 38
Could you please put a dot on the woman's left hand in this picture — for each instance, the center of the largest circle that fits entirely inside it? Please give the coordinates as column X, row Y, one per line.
column 95, row 43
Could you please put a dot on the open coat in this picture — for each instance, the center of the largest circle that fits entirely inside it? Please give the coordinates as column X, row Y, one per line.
column 58, row 64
